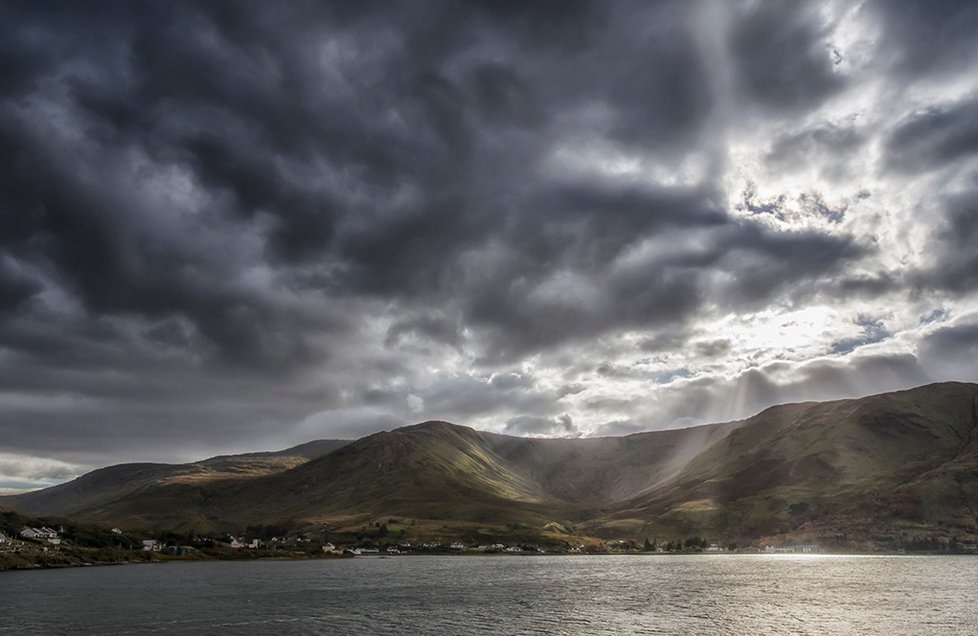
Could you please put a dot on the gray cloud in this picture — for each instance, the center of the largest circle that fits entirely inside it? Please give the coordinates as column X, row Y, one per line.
column 783, row 58
column 952, row 349
column 37, row 470
column 926, row 38
column 953, row 262
column 242, row 227
column 713, row 348
column 713, row 399
column 827, row 141
column 561, row 426
column 873, row 331
column 511, row 380
column 930, row 139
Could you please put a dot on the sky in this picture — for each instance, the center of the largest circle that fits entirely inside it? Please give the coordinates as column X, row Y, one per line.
column 241, row 226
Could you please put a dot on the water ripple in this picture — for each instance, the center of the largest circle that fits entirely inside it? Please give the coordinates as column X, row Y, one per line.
column 471, row 596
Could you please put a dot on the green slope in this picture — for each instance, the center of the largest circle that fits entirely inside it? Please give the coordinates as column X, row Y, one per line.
column 880, row 467
column 882, row 464
column 113, row 494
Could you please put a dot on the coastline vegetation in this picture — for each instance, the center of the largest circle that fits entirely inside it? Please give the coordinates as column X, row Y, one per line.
column 80, row 544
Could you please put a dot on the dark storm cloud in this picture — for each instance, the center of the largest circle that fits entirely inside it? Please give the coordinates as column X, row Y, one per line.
column 81, row 225
column 665, row 88
column 220, row 220
column 953, row 265
column 652, row 291
column 429, row 326
column 15, row 287
column 464, row 396
column 925, row 37
column 930, row 139
column 239, row 101
column 783, row 58
column 952, row 349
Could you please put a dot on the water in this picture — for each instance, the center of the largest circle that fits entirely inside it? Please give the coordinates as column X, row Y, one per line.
column 723, row 594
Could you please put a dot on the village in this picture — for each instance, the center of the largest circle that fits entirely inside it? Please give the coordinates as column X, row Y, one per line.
column 30, row 543
column 34, row 541
column 58, row 545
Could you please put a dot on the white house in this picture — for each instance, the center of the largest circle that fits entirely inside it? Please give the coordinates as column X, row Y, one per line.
column 151, row 545
column 38, row 533
column 4, row 538
column 792, row 549
column 458, row 545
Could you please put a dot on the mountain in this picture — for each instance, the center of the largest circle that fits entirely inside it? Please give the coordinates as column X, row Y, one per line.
column 874, row 470
column 97, row 495
column 901, row 462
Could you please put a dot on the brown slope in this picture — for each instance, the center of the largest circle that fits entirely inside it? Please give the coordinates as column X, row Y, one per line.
column 438, row 470
column 906, row 457
column 876, row 461
column 433, row 470
column 598, row 471
column 86, row 496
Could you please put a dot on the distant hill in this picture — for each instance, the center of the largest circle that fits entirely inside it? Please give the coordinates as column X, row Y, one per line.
column 97, row 495
column 874, row 470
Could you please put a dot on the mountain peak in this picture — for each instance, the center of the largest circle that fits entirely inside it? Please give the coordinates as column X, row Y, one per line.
column 434, row 426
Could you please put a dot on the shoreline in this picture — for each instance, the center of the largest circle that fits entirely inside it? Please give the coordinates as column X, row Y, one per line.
column 34, row 566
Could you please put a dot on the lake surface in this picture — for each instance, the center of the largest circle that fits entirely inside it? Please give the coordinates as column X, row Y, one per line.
column 697, row 594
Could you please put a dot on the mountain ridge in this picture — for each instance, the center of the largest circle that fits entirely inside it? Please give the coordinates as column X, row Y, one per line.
column 878, row 468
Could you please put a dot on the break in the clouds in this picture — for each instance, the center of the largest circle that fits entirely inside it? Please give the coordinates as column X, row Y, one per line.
column 230, row 226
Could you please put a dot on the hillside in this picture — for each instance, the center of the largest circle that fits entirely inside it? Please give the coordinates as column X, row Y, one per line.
column 872, row 469
column 880, row 465
column 95, row 495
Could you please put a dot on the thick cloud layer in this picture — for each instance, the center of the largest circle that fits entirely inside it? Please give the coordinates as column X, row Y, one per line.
column 240, row 226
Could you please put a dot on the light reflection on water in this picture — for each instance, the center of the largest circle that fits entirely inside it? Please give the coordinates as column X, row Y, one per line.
column 701, row 594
